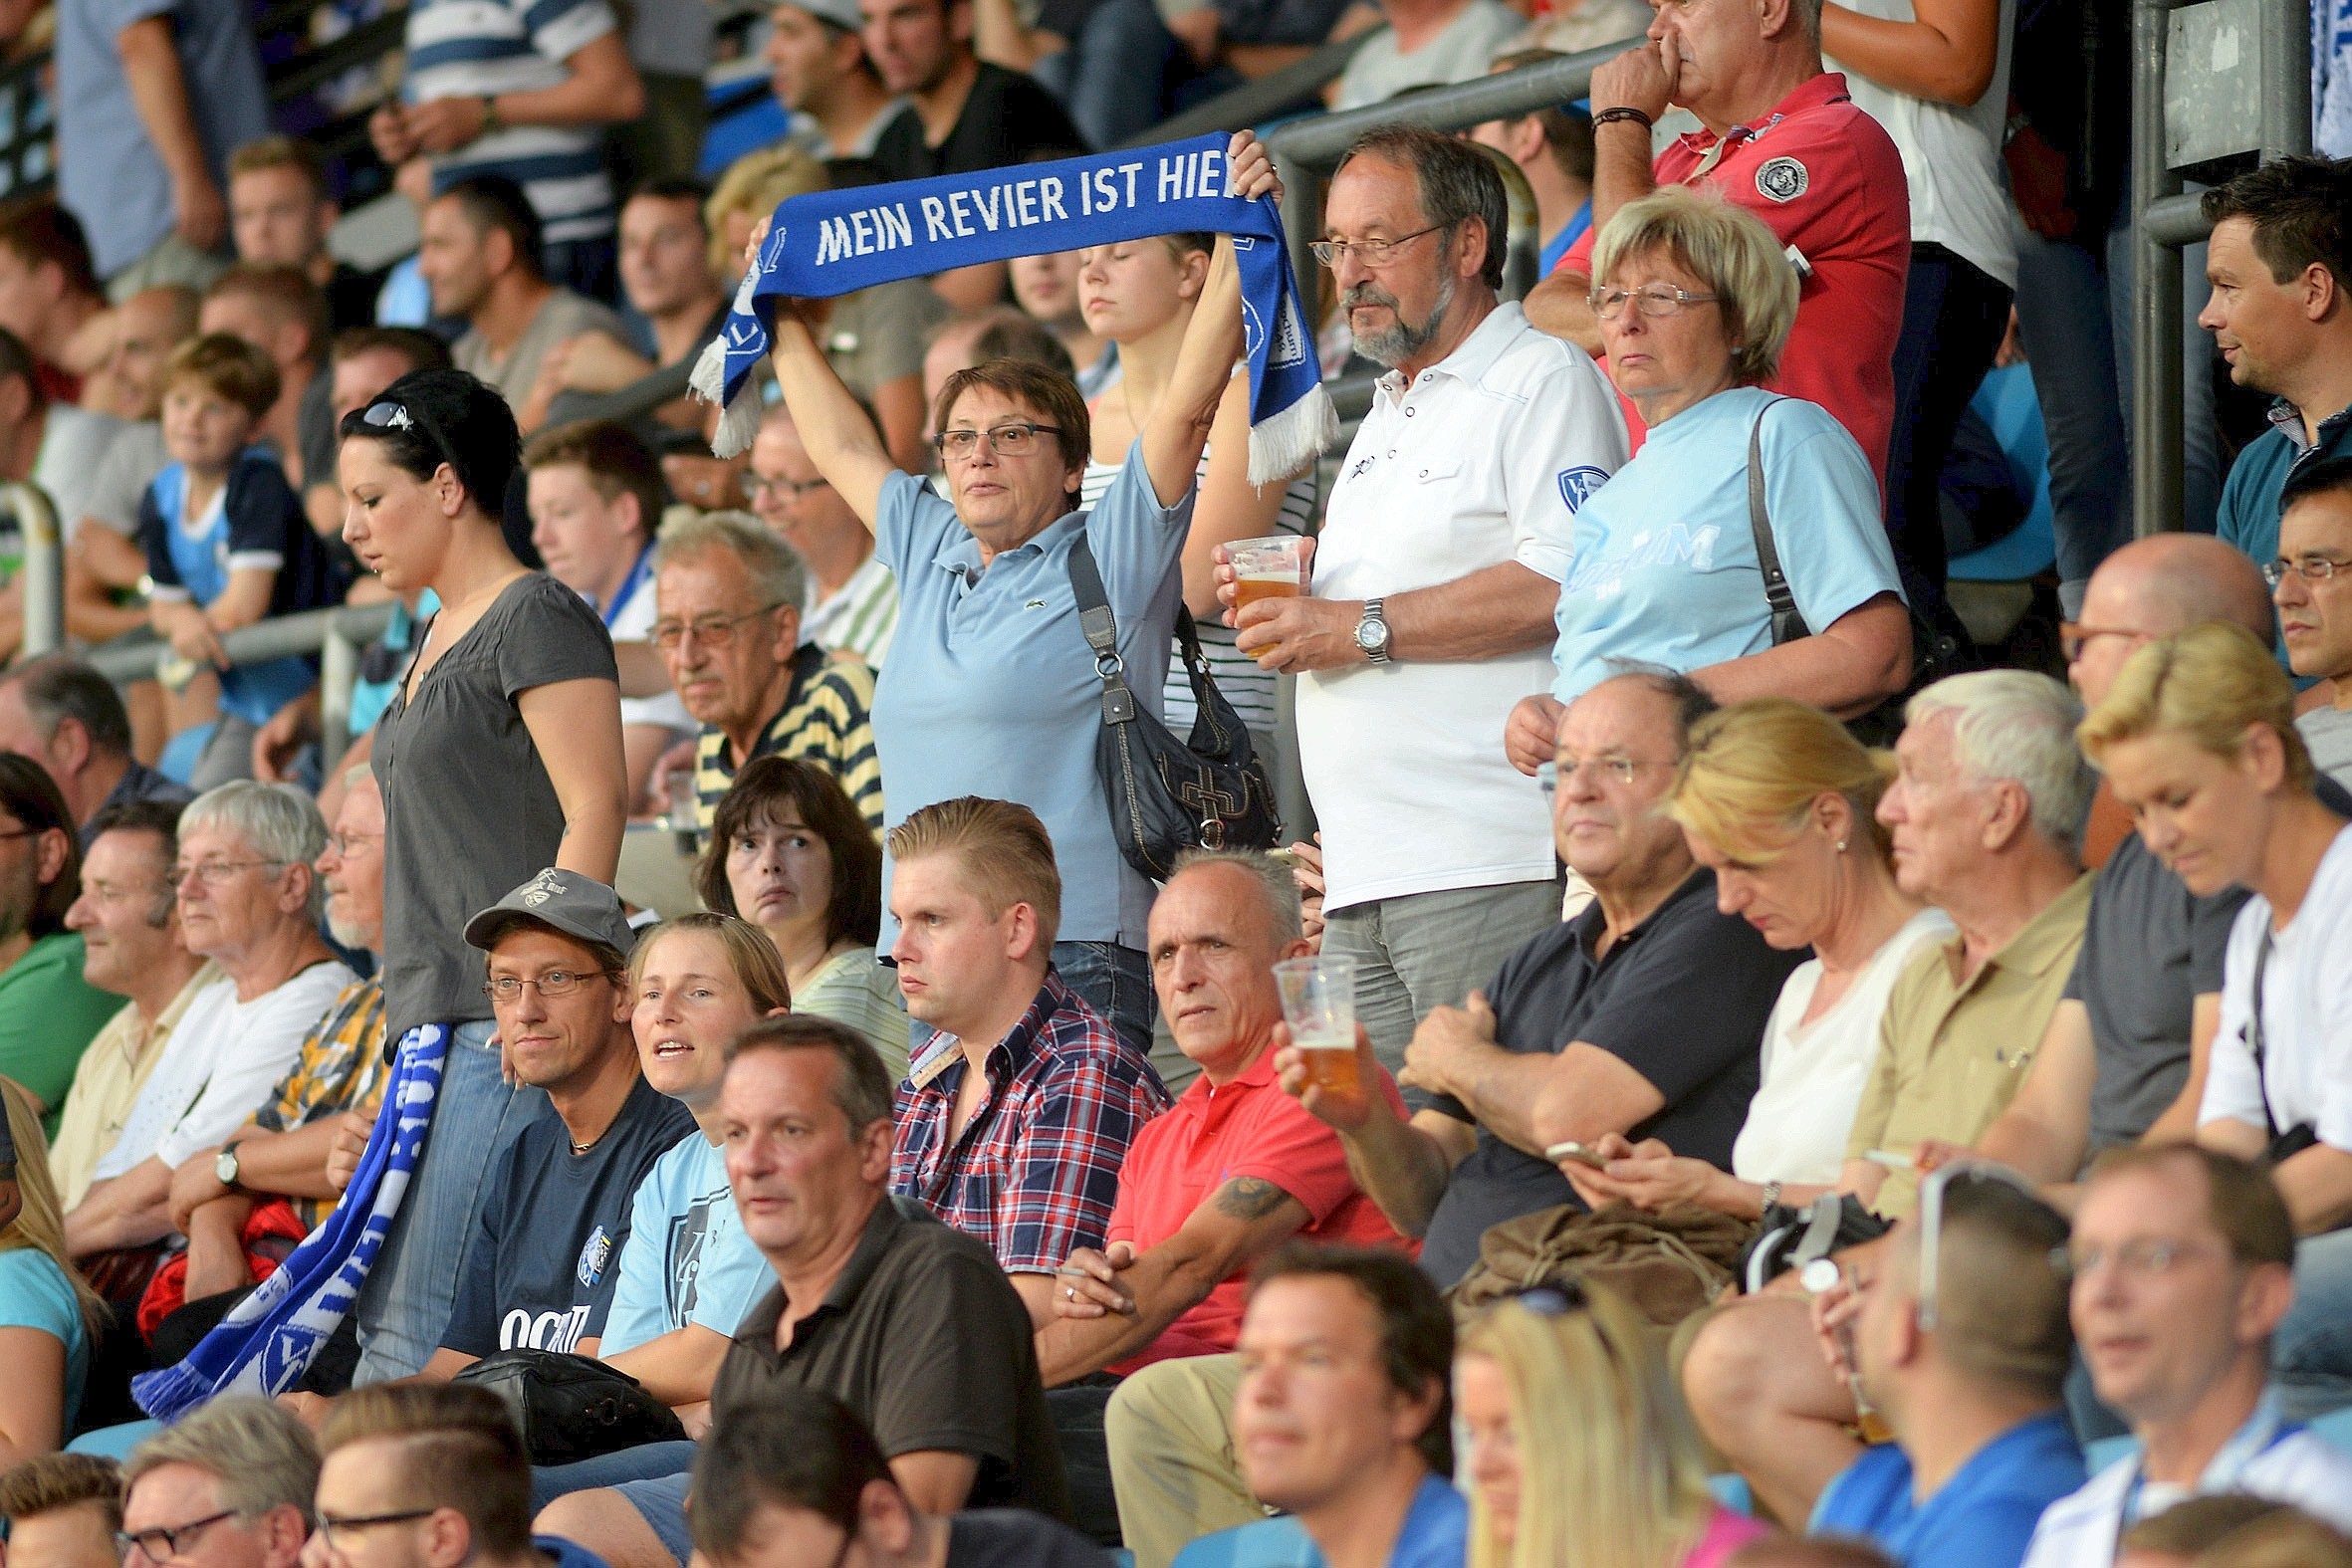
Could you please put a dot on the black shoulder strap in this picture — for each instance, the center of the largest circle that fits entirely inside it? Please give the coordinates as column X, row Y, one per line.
column 1789, row 624
column 1101, row 629
column 2256, row 1036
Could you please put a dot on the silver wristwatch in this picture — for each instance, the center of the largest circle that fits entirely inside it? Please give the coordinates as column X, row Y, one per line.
column 1372, row 633
column 224, row 1165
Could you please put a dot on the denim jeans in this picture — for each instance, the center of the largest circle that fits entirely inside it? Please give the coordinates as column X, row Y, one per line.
column 645, row 1461
column 1116, row 983
column 1953, row 316
column 404, row 1307
column 1113, row 78
column 2311, row 1351
column 2069, row 345
column 1430, row 950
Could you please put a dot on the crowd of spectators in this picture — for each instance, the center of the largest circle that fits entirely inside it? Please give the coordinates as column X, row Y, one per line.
column 672, row 1062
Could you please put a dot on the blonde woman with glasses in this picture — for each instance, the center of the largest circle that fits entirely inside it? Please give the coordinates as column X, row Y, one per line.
column 1579, row 1449
column 1694, row 301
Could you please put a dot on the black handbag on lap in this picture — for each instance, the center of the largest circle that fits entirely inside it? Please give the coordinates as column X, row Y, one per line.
column 571, row 1408
column 1167, row 796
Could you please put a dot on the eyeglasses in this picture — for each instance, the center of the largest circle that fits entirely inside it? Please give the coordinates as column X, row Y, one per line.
column 1012, row 440
column 2311, row 568
column 1621, row 769
column 1655, row 299
column 712, row 631
column 331, row 1526
column 555, row 983
column 2073, row 637
column 212, row 873
column 170, row 1539
column 1371, row 255
column 1932, row 1188
column 23, row 832
column 784, row 488
column 2142, row 1256
column 345, row 844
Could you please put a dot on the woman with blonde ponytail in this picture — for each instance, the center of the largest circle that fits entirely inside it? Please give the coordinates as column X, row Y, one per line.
column 48, row 1315
column 1778, row 801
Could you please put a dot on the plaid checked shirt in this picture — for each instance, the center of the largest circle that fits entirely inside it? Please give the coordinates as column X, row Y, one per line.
column 341, row 1067
column 1037, row 1170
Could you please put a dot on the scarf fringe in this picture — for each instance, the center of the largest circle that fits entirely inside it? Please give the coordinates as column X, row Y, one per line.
column 708, row 383
column 1290, row 438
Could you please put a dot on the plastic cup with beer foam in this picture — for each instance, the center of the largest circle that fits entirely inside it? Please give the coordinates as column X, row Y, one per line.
column 1319, row 1002
column 1272, row 568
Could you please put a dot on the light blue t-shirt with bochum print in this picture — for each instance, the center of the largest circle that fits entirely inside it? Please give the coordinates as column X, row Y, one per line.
column 1662, row 559
column 686, row 1259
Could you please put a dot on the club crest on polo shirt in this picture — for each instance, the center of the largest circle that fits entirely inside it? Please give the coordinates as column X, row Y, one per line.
column 1577, row 484
column 1781, row 180
column 592, row 1259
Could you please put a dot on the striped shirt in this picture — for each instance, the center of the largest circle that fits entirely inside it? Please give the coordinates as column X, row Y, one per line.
column 341, row 1067
column 483, row 48
column 826, row 718
column 1246, row 686
column 861, row 618
column 1035, row 1171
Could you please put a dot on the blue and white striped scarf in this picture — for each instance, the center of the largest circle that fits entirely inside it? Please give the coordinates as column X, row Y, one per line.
column 266, row 1344
column 835, row 242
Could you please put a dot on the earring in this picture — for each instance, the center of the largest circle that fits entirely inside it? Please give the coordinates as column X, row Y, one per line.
column 1841, row 846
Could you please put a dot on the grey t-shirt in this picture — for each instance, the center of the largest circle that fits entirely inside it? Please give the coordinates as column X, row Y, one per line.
column 121, row 483
column 2328, row 732
column 565, row 314
column 74, row 447
column 2150, row 947
column 470, row 813
column 1016, row 1538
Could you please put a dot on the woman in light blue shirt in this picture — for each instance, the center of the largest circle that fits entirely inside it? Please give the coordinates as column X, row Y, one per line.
column 1695, row 300
column 49, row 1316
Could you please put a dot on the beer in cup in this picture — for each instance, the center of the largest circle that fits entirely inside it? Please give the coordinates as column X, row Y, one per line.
column 1266, row 569
column 1318, row 1003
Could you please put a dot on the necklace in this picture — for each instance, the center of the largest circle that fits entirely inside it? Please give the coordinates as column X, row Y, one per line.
column 581, row 1148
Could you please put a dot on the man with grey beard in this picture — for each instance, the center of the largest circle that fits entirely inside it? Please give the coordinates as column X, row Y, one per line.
column 1433, row 584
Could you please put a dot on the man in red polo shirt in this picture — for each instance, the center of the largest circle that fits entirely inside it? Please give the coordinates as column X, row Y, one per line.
column 1783, row 140
column 1237, row 1168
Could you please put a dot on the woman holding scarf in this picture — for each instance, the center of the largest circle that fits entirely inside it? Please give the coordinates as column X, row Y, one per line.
column 991, row 689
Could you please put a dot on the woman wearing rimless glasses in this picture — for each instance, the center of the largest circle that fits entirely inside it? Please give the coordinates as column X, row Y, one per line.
column 499, row 753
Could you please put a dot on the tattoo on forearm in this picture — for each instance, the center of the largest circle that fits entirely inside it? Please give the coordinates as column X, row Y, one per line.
column 1249, row 1197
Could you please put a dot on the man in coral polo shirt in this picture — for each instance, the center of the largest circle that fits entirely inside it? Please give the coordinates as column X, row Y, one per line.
column 1783, row 139
column 1237, row 1168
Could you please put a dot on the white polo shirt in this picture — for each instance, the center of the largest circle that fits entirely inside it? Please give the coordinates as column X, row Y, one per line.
column 2082, row 1529
column 2306, row 1012
column 1483, row 459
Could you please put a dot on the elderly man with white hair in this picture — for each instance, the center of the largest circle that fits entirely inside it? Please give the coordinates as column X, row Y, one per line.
column 249, row 900
column 1987, row 812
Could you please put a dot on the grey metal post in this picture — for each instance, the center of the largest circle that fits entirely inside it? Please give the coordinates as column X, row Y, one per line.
column 339, row 671
column 2156, row 289
column 2286, row 94
column 44, row 568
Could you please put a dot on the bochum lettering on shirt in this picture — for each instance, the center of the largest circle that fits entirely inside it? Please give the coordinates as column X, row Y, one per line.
column 1016, row 204
column 521, row 1329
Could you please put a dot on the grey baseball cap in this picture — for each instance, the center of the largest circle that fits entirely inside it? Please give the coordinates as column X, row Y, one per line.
column 840, row 12
column 560, row 900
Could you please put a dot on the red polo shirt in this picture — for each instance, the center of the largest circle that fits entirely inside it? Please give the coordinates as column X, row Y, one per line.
column 1828, row 181
column 1248, row 1127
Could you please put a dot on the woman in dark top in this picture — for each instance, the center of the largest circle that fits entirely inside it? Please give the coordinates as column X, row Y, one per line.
column 499, row 756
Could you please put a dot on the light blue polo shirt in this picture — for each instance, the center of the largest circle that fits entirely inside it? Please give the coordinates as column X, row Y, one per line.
column 1662, row 561
column 990, row 688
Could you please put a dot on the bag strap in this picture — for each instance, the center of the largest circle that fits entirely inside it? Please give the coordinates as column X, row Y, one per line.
column 1788, row 623
column 2256, row 1036
column 1101, row 629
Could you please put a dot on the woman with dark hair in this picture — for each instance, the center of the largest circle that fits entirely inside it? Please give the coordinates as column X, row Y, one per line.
column 790, row 854
column 48, row 1012
column 498, row 754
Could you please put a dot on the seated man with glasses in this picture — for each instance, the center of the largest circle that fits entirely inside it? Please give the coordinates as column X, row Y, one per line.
column 230, row 1486
column 1958, row 1341
column 543, row 1250
column 2311, row 584
column 250, row 899
column 2182, row 1262
column 728, row 596
column 417, row 1475
column 855, row 597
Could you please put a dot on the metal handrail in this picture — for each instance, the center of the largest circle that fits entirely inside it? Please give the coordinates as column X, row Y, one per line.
column 1294, row 85
column 43, row 570
column 279, row 637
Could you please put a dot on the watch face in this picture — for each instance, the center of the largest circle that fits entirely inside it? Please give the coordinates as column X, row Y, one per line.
column 225, row 1166
column 1371, row 634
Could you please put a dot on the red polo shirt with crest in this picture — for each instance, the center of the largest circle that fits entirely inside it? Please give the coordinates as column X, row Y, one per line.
column 1214, row 1135
column 1828, row 181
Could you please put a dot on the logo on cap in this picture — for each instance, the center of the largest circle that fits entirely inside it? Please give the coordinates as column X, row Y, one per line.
column 543, row 887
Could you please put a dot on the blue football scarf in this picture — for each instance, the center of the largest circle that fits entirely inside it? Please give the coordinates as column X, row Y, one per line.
column 268, row 1341
column 835, row 242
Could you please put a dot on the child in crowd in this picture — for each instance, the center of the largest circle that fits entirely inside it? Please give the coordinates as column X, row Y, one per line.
column 226, row 542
